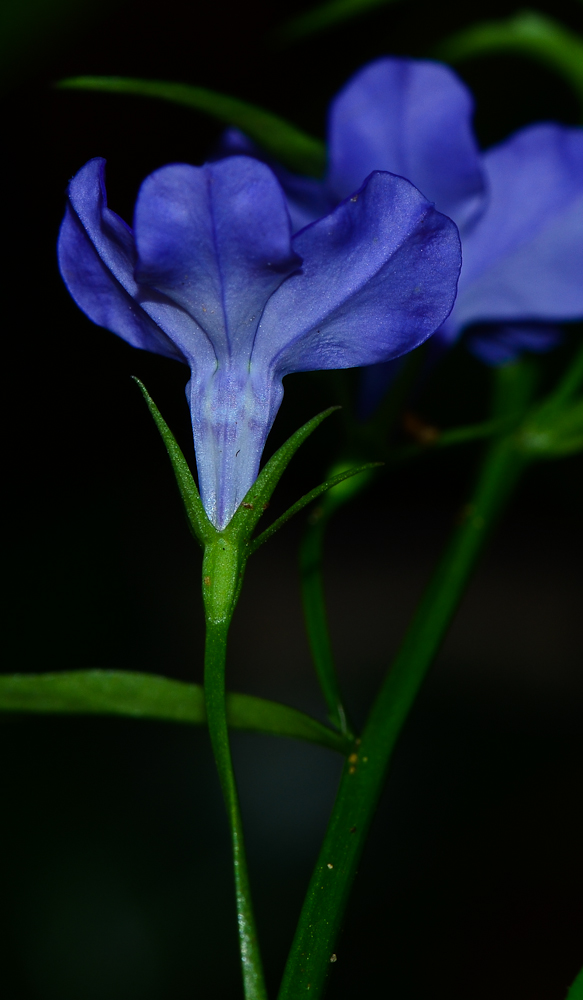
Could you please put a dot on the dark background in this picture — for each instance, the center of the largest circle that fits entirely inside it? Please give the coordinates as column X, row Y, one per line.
column 116, row 882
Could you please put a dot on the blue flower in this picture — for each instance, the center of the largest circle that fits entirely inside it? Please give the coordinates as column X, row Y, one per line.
column 211, row 275
column 518, row 206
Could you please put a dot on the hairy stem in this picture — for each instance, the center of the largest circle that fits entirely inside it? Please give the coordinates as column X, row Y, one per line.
column 214, row 690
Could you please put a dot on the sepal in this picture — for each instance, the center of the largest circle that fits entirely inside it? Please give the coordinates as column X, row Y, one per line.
column 308, row 498
column 257, row 498
column 201, row 527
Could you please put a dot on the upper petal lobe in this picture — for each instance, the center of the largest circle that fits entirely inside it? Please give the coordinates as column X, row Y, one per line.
column 215, row 240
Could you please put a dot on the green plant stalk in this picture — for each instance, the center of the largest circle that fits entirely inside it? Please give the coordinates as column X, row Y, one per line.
column 363, row 777
column 363, row 439
column 214, row 690
column 223, row 566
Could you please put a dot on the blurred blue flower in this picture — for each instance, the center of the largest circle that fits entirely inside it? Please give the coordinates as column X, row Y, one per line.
column 211, row 275
column 518, row 206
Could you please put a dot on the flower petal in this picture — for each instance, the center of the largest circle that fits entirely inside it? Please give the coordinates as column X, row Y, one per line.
column 379, row 276
column 96, row 258
column 412, row 118
column 307, row 198
column 524, row 258
column 216, row 241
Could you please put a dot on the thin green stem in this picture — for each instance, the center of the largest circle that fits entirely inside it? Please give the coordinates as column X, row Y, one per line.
column 312, row 950
column 214, row 690
column 448, row 438
column 314, row 605
column 364, row 439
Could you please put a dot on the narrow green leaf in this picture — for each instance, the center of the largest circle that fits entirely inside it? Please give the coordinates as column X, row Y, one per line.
column 202, row 528
column 576, row 991
column 527, row 33
column 148, row 696
column 290, row 145
column 257, row 498
column 323, row 17
column 307, row 499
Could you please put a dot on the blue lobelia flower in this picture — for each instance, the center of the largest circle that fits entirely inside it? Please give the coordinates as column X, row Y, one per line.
column 518, row 206
column 211, row 275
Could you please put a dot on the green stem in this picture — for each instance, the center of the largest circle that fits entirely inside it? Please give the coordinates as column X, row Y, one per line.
column 316, row 622
column 364, row 773
column 214, row 690
column 364, row 439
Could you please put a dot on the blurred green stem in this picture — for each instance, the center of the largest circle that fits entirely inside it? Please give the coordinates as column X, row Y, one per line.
column 364, row 773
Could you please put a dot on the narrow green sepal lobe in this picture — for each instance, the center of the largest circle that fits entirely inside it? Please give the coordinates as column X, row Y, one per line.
column 200, row 525
column 307, row 499
column 256, row 500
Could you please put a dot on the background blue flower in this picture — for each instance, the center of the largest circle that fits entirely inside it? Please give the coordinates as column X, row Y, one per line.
column 519, row 206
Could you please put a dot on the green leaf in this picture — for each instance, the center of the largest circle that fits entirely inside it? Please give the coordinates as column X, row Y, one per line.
column 202, row 528
column 257, row 498
column 307, row 499
column 527, row 33
column 325, row 16
column 292, row 147
column 147, row 696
